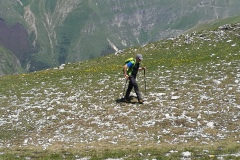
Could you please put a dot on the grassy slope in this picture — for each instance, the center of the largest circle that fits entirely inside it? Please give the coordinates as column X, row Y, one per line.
column 203, row 74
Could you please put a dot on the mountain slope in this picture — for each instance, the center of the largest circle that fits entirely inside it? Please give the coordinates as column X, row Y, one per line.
column 191, row 107
column 9, row 63
column 62, row 31
column 214, row 24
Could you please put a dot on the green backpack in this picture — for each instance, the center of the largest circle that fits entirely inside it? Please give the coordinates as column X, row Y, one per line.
column 133, row 61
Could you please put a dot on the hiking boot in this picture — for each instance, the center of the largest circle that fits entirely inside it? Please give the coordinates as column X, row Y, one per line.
column 126, row 100
column 140, row 101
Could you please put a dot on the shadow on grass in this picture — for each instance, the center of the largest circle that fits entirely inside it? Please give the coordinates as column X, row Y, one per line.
column 132, row 100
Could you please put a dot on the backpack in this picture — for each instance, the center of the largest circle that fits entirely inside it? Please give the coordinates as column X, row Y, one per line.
column 130, row 60
column 133, row 61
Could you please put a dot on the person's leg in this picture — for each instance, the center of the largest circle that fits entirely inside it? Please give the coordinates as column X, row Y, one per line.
column 130, row 86
column 136, row 89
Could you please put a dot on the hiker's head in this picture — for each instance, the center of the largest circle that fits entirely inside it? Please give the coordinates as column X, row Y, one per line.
column 139, row 57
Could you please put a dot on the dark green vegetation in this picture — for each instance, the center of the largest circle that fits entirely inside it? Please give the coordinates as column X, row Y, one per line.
column 67, row 31
column 191, row 107
column 9, row 63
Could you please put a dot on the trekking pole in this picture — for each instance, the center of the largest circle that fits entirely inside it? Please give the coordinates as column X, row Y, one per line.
column 124, row 87
column 145, row 81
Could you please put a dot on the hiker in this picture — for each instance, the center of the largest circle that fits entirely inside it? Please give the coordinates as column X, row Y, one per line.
column 130, row 70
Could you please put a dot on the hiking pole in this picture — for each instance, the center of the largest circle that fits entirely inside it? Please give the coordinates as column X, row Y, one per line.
column 145, row 81
column 124, row 87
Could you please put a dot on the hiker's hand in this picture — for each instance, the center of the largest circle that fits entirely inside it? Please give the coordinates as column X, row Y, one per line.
column 126, row 76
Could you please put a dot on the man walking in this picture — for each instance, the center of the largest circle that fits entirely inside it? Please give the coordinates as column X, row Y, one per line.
column 130, row 70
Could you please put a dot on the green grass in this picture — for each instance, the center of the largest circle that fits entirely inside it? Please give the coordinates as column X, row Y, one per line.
column 84, row 94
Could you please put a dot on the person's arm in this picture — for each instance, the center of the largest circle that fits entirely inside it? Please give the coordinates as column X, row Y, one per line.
column 125, row 67
column 141, row 68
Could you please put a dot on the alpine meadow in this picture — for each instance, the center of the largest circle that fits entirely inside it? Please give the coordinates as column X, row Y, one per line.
column 191, row 108
column 62, row 82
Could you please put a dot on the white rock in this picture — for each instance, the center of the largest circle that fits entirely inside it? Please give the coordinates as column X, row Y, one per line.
column 175, row 97
column 186, row 154
column 210, row 124
column 217, row 82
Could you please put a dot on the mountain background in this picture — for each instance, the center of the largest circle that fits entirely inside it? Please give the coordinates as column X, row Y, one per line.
column 39, row 34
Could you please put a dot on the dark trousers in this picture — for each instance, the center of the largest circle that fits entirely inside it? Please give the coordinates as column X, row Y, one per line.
column 133, row 84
